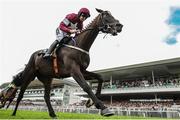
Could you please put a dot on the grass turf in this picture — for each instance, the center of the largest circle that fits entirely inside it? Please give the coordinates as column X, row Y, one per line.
column 22, row 114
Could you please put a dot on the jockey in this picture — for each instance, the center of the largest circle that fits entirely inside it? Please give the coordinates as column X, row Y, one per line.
column 72, row 24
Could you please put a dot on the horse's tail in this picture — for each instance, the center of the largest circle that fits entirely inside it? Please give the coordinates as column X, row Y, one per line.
column 29, row 67
column 9, row 93
column 18, row 78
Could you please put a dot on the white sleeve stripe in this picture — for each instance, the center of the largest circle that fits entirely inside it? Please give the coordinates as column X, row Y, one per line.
column 66, row 21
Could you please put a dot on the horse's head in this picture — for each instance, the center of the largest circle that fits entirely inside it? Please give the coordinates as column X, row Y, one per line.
column 108, row 23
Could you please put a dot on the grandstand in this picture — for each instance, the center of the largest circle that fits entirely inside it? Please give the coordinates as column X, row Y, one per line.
column 146, row 89
column 153, row 85
column 60, row 92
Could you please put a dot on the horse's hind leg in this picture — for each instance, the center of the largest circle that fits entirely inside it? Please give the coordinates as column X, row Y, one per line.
column 47, row 86
column 27, row 80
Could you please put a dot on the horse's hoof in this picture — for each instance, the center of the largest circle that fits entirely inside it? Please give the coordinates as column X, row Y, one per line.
column 89, row 103
column 13, row 114
column 53, row 116
column 106, row 112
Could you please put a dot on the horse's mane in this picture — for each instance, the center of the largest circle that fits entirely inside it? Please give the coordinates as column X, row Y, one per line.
column 86, row 28
column 89, row 24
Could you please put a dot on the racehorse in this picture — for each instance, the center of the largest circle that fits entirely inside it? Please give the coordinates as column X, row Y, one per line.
column 73, row 60
column 7, row 95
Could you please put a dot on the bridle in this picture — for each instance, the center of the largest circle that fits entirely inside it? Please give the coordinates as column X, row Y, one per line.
column 105, row 27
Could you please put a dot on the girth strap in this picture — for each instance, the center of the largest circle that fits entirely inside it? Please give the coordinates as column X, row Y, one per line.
column 77, row 48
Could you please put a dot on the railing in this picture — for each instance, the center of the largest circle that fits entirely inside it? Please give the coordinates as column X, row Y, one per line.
column 167, row 88
column 118, row 111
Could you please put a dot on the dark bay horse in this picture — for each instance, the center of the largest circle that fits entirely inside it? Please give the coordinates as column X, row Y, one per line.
column 7, row 96
column 9, row 92
column 73, row 59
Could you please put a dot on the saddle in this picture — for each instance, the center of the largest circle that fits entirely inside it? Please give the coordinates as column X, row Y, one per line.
column 54, row 59
column 65, row 40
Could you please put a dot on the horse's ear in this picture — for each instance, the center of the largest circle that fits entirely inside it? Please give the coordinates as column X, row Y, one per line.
column 99, row 10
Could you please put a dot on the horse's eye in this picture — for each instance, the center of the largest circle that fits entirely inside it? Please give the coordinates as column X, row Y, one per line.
column 106, row 27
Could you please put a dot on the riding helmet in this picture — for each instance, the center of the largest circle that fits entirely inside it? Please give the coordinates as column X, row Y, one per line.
column 84, row 11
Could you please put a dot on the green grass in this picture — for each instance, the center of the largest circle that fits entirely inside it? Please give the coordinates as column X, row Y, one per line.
column 21, row 114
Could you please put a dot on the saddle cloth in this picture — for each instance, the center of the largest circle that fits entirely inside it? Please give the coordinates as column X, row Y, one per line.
column 54, row 60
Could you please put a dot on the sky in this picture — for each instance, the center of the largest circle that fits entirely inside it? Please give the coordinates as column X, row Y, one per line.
column 150, row 33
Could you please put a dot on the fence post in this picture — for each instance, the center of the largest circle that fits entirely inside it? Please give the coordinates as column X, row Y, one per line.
column 144, row 114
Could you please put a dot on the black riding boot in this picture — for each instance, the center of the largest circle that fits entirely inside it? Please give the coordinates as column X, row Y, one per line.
column 50, row 50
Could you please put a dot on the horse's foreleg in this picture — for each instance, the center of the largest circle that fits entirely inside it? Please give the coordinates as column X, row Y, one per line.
column 78, row 76
column 47, row 86
column 89, row 76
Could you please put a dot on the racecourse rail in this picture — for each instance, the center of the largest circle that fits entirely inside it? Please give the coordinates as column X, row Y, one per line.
column 118, row 111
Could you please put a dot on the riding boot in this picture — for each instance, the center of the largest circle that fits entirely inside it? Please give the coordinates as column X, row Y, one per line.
column 50, row 50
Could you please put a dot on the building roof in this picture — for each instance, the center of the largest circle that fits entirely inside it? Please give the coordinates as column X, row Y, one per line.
column 162, row 67
column 55, row 83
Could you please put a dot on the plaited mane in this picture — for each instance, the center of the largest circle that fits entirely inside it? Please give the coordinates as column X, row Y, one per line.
column 90, row 23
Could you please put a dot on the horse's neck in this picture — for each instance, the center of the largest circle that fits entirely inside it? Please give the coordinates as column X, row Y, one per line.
column 86, row 39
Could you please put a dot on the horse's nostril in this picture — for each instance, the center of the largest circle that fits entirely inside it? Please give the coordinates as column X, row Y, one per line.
column 121, row 26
